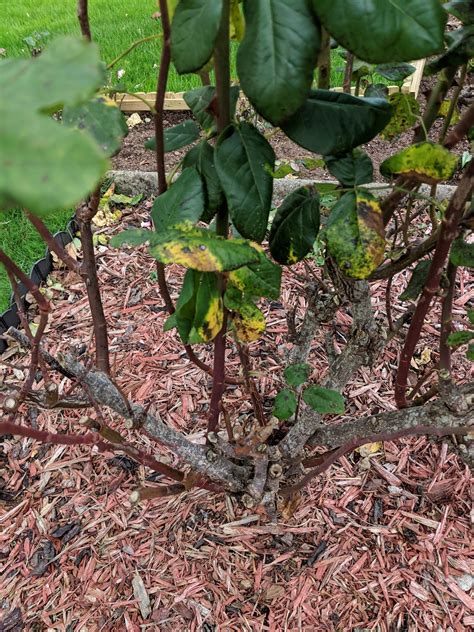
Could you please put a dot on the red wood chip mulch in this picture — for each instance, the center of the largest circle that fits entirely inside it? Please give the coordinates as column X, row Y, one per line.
column 376, row 543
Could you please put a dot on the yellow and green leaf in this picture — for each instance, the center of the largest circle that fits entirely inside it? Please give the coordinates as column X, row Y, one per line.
column 248, row 323
column 405, row 113
column 428, row 162
column 355, row 234
column 201, row 250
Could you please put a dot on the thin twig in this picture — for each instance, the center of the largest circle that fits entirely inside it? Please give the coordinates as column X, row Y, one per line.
column 448, row 232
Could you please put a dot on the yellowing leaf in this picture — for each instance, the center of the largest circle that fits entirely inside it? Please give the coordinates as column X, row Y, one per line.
column 249, row 323
column 237, row 23
column 426, row 161
column 369, row 449
column 355, row 234
column 444, row 111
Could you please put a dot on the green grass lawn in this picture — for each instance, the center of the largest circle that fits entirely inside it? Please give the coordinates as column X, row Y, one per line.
column 22, row 243
column 115, row 24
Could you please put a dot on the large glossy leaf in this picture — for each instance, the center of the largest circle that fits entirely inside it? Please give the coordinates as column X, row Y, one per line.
column 244, row 161
column 184, row 201
column 202, row 158
column 395, row 72
column 295, row 226
column 277, row 57
column 428, row 162
column 67, row 72
column 258, row 279
column 381, row 31
column 355, row 234
column 193, row 33
column 199, row 314
column 201, row 250
column 462, row 9
column 351, row 169
column 44, row 166
column 177, row 136
column 102, row 119
column 405, row 112
column 202, row 103
column 460, row 51
column 334, row 123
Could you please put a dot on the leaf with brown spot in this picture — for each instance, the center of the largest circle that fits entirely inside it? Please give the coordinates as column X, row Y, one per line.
column 355, row 234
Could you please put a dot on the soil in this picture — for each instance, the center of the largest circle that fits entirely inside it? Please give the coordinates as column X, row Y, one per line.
column 134, row 156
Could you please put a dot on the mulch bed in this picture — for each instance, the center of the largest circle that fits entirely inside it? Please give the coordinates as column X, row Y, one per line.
column 376, row 543
column 134, row 156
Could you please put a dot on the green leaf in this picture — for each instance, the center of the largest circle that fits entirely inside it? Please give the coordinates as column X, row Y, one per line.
column 184, row 201
column 385, row 30
column 201, row 100
column 285, row 404
column 248, row 322
column 45, row 166
column 427, row 162
column 199, row 314
column 200, row 249
column 417, row 281
column 67, row 72
column 461, row 9
column 243, row 159
column 376, row 91
column 297, row 374
column 462, row 253
column 355, row 234
column 295, row 226
column 119, row 198
column 459, row 338
column 131, row 237
column 395, row 72
column 102, row 119
column 325, row 401
column 177, row 137
column 460, row 51
column 351, row 169
column 202, row 158
column 258, row 279
column 405, row 112
column 334, row 122
column 193, row 33
column 277, row 81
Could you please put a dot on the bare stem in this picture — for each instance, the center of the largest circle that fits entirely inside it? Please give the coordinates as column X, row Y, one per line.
column 83, row 17
column 448, row 232
column 88, row 271
column 446, row 320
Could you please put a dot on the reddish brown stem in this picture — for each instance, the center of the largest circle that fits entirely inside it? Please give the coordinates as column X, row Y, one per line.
column 461, row 129
column 218, row 384
column 350, row 446
column 447, row 320
column 83, row 17
column 52, row 244
column 222, row 70
column 449, row 229
column 43, row 307
column 346, row 86
column 88, row 271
